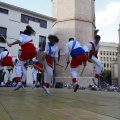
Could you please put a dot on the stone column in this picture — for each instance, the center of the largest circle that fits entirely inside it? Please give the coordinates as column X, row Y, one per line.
column 75, row 18
column 119, row 58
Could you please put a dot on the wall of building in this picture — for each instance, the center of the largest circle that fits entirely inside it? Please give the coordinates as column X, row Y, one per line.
column 107, row 53
column 114, row 69
column 12, row 21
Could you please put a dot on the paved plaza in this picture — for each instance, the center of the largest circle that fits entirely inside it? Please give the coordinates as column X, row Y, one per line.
column 61, row 104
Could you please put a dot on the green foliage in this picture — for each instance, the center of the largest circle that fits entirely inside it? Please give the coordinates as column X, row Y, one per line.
column 107, row 76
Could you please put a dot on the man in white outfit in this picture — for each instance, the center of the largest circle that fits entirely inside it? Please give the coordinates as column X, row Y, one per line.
column 79, row 57
column 34, row 73
column 28, row 52
column 51, row 54
column 93, row 48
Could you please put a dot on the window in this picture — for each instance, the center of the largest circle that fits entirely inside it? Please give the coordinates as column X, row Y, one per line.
column 31, row 18
column 24, row 18
column 110, row 58
column 104, row 58
column 104, row 52
column 42, row 42
column 43, row 23
column 3, row 11
column 1, row 49
column 104, row 64
column 3, row 31
column 110, row 53
column 107, row 52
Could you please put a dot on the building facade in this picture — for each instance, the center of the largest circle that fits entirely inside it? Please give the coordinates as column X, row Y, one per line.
column 107, row 53
column 116, row 66
column 13, row 21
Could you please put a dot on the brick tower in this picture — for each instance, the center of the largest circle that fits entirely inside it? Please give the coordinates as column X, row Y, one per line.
column 75, row 18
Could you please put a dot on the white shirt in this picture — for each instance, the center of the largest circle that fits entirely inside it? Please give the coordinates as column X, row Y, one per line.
column 54, row 50
column 68, row 46
column 34, row 59
column 89, row 46
column 4, row 53
column 24, row 39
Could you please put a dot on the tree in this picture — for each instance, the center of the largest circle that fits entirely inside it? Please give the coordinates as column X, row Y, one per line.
column 107, row 76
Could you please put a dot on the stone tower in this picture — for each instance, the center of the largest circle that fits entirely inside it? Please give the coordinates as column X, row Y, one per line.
column 75, row 18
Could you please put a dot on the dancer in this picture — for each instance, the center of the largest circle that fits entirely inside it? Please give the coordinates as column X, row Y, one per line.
column 50, row 54
column 23, row 72
column 78, row 55
column 28, row 52
column 93, row 48
column 34, row 73
column 2, row 73
column 6, row 58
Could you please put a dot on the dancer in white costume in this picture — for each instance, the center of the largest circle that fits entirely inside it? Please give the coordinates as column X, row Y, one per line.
column 23, row 72
column 34, row 73
column 78, row 55
column 28, row 52
column 93, row 48
column 51, row 54
column 6, row 58
column 2, row 72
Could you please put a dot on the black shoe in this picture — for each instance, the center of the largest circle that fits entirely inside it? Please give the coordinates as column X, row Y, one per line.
column 76, row 87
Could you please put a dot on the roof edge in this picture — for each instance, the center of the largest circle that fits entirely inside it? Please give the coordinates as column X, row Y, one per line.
column 27, row 11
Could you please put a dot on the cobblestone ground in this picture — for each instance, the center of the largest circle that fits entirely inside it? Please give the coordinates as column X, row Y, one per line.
column 61, row 104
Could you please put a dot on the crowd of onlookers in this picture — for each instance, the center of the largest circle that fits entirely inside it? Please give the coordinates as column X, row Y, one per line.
column 102, row 87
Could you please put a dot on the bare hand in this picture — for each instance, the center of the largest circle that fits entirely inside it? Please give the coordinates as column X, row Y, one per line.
column 9, row 44
column 84, row 63
column 68, row 62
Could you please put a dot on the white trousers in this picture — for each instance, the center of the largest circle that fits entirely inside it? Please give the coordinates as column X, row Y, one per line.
column 48, row 73
column 73, row 72
column 20, row 70
column 97, row 63
column 34, row 74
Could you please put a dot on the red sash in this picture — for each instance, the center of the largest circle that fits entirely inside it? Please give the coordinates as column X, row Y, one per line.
column 28, row 51
column 49, row 60
column 94, row 52
column 75, row 62
column 7, row 60
column 39, row 65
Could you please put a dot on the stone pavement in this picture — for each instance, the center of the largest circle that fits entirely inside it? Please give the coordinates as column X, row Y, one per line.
column 62, row 104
